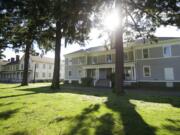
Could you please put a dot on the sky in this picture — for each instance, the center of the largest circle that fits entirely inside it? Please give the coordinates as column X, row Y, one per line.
column 168, row 31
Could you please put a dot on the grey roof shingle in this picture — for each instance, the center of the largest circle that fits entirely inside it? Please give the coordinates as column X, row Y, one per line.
column 42, row 59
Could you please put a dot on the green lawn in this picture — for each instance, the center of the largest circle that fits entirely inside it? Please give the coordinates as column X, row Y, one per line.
column 36, row 110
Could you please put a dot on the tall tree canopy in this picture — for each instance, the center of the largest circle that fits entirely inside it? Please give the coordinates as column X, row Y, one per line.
column 22, row 23
column 141, row 17
column 71, row 20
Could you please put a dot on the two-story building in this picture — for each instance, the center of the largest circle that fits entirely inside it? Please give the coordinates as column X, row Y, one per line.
column 143, row 62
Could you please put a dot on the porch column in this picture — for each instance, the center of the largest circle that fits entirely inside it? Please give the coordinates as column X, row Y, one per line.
column 113, row 70
column 132, row 73
column 97, row 74
column 84, row 73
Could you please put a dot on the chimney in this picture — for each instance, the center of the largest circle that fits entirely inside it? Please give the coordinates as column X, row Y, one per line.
column 17, row 58
column 12, row 59
column 9, row 60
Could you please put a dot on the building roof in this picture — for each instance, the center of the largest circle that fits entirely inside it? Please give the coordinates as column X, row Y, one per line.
column 92, row 49
column 12, row 63
column 3, row 62
column 42, row 59
column 139, row 42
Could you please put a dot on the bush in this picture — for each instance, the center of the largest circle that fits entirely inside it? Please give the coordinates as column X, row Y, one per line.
column 75, row 82
column 87, row 81
column 66, row 82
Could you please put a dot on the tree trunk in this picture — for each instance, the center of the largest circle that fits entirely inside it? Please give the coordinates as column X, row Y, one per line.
column 119, row 66
column 56, row 73
column 26, row 65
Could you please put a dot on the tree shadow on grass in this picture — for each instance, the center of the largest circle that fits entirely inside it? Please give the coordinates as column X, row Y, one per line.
column 106, row 125
column 132, row 121
column 7, row 114
column 20, row 133
column 173, row 126
column 4, row 104
column 10, row 96
column 84, row 121
column 32, row 91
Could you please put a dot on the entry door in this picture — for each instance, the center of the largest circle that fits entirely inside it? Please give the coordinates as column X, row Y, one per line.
column 169, row 74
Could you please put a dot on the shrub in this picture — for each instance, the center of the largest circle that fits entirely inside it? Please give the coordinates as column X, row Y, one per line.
column 87, row 81
column 75, row 82
column 66, row 82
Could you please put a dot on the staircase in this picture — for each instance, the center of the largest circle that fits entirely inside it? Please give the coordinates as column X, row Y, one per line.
column 103, row 83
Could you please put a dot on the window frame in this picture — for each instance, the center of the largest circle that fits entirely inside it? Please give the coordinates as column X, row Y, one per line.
column 49, row 75
column 168, row 46
column 43, row 74
column 107, row 58
column 143, row 53
column 70, row 62
column 69, row 73
column 36, row 75
column 50, row 66
column 94, row 60
column 144, row 74
column 44, row 66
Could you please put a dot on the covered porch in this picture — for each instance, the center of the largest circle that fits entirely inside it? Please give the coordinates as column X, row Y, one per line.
column 101, row 74
column 14, row 77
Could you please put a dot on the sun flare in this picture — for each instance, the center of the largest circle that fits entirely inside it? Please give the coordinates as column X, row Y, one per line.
column 112, row 20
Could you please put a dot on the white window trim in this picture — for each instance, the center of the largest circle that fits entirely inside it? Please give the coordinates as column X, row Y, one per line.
column 70, row 61
column 149, row 71
column 93, row 60
column 143, row 53
column 127, row 55
column 108, row 61
column 70, row 71
column 170, row 51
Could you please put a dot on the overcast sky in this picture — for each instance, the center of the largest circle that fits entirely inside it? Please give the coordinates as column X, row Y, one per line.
column 95, row 41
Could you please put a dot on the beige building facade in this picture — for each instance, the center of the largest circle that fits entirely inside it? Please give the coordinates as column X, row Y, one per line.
column 40, row 69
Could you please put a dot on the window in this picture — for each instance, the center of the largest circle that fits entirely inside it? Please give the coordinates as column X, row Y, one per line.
column 81, row 60
column 44, row 66
column 80, row 72
column 147, row 71
column 37, row 65
column 109, row 58
column 70, row 73
column 167, row 51
column 49, row 74
column 50, row 66
column 66, row 61
column 169, row 74
column 36, row 75
column 126, row 56
column 94, row 60
column 43, row 74
column 17, row 67
column 70, row 62
column 145, row 53
column 21, row 66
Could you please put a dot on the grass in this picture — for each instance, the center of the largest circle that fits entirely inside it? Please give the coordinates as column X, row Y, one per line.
column 36, row 110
